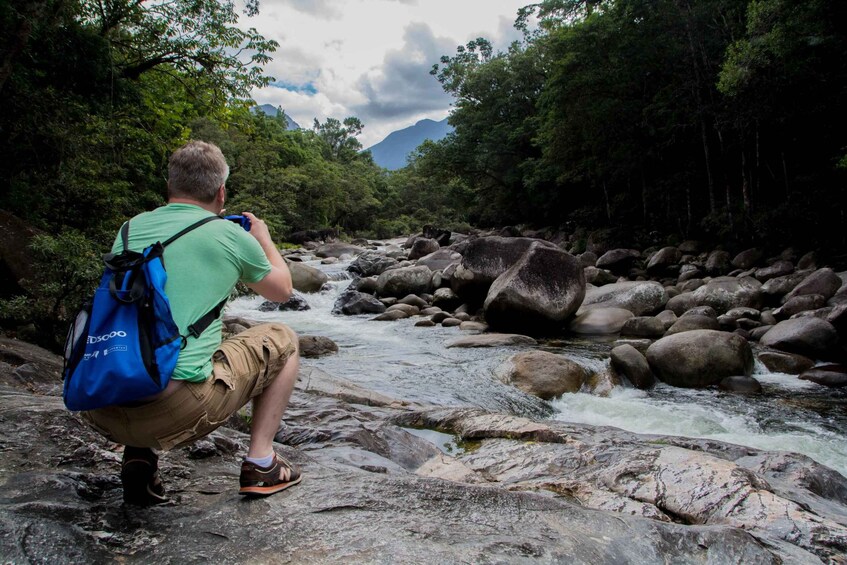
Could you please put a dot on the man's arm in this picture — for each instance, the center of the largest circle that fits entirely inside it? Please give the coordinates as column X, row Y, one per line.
column 276, row 285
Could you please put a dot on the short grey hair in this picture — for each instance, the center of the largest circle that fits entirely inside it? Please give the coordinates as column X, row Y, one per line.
column 196, row 171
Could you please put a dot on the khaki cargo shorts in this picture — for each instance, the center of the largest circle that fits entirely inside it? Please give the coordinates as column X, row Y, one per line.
column 243, row 366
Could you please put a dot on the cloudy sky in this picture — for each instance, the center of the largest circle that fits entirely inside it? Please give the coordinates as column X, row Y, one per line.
column 371, row 58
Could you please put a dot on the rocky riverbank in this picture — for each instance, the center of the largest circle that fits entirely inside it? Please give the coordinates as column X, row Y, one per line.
column 513, row 490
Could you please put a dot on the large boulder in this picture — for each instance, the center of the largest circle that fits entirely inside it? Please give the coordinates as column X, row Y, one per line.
column 371, row 263
column 403, row 281
column 725, row 293
column 639, row 297
column 823, row 281
column 486, row 258
column 440, row 260
column 541, row 290
column 700, row 358
column 337, row 249
column 305, row 278
column 779, row 286
column 543, row 374
column 808, row 336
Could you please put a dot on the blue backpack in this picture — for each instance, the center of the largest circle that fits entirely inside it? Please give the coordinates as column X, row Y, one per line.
column 124, row 344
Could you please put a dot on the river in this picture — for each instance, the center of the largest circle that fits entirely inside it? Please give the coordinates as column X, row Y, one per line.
column 411, row 363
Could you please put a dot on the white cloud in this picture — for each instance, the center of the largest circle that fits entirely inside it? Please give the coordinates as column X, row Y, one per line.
column 371, row 58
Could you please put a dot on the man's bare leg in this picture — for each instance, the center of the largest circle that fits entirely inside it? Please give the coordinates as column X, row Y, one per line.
column 268, row 408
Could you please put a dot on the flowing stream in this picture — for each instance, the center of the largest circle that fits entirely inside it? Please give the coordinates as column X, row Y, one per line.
column 411, row 363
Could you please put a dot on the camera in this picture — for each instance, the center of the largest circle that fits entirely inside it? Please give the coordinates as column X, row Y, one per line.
column 244, row 221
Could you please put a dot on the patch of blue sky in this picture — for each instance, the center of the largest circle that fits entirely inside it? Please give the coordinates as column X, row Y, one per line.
column 307, row 88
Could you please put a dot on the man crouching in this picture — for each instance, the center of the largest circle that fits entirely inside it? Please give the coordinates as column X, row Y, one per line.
column 212, row 379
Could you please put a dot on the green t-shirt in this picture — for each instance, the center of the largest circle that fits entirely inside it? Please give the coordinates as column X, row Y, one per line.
column 203, row 267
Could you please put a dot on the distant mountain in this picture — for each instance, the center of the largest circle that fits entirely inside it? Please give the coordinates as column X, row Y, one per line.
column 272, row 111
column 392, row 151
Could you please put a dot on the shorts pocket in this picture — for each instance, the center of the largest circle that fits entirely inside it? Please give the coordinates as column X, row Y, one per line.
column 201, row 428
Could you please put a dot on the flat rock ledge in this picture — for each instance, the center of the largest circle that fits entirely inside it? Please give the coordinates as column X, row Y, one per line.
column 375, row 492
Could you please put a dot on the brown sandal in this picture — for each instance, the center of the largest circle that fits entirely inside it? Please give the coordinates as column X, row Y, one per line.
column 263, row 481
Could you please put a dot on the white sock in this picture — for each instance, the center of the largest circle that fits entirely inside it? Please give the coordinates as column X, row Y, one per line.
column 261, row 461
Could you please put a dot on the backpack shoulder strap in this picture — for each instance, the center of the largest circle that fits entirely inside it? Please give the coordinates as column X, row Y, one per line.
column 125, row 235
column 193, row 226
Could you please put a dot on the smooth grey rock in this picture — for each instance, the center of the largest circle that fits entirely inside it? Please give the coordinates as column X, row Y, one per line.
column 423, row 247
column 306, row 278
column 541, row 290
column 445, row 298
column 403, row 281
column 667, row 317
column 823, row 281
column 777, row 269
column 718, row 263
column 440, row 260
column 451, row 322
column 663, row 259
column 542, row 374
column 491, row 340
column 390, row 316
column 699, row 358
column 833, row 376
column 777, row 287
column 371, row 263
column 726, row 293
column 781, row 362
column 486, row 258
column 414, row 300
column 351, row 303
column 640, row 298
column 630, row 362
column 408, row 309
column 316, row 346
column 644, row 326
column 707, row 311
column 693, row 322
column 811, row 337
column 681, row 304
column 618, row 261
column 799, row 303
column 598, row 277
column 424, row 324
column 747, row 258
column 337, row 249
column 600, row 321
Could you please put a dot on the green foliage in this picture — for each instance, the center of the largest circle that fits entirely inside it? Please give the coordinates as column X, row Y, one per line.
column 66, row 269
column 697, row 119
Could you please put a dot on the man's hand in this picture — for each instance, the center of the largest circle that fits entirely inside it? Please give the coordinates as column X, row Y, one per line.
column 259, row 230
column 276, row 286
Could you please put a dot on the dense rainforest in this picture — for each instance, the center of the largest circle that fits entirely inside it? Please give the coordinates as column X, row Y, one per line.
column 722, row 120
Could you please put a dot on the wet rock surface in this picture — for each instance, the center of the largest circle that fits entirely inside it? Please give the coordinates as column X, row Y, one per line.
column 375, row 491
